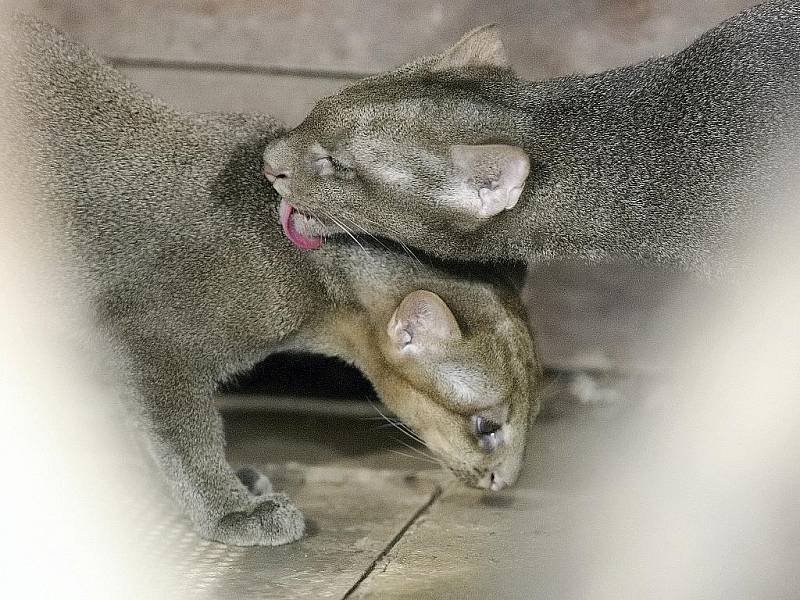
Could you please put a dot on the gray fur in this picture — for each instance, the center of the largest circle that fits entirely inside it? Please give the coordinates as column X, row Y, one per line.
column 658, row 162
column 170, row 231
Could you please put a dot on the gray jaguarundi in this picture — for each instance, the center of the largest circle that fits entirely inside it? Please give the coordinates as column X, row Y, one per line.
column 171, row 236
column 661, row 161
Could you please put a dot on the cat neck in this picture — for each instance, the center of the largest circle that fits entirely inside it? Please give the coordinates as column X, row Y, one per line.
column 595, row 181
column 352, row 324
column 654, row 162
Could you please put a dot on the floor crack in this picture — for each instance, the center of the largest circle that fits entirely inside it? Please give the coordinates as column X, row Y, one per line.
column 393, row 542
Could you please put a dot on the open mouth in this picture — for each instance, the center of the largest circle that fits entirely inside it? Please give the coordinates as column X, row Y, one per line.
column 288, row 215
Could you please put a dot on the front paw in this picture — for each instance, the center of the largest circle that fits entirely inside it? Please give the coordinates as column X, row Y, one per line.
column 271, row 521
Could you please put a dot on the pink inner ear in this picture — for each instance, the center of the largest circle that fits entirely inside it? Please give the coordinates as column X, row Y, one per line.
column 504, row 167
column 422, row 321
column 397, row 331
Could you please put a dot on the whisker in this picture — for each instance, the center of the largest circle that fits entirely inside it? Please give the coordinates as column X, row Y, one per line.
column 409, row 252
column 414, row 449
column 405, row 429
column 344, row 216
column 412, row 456
column 345, row 229
column 392, row 422
column 397, row 425
column 392, row 231
column 411, row 433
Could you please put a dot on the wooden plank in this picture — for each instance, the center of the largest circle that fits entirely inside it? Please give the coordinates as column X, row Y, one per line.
column 544, row 37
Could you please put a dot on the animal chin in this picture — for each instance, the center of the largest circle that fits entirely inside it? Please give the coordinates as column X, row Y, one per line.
column 300, row 240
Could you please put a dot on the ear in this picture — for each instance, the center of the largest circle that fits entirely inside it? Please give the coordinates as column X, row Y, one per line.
column 490, row 178
column 421, row 322
column 481, row 47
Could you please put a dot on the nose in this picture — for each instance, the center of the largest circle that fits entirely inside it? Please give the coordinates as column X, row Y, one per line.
column 280, row 177
column 492, row 481
column 276, row 163
column 273, row 173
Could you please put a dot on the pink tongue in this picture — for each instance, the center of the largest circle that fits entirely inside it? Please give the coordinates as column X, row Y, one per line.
column 297, row 238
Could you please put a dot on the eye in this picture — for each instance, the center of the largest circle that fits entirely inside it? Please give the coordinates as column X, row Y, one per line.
column 488, row 432
column 484, row 425
column 324, row 165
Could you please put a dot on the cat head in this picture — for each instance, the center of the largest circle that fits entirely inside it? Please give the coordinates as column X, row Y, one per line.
column 405, row 154
column 457, row 366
